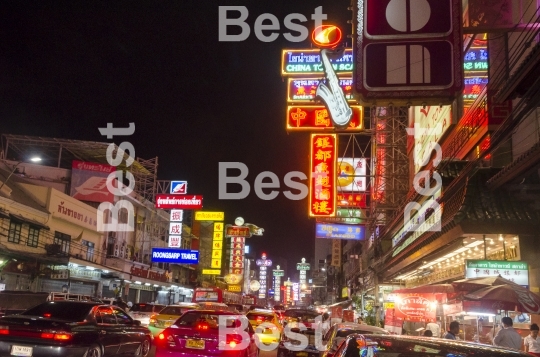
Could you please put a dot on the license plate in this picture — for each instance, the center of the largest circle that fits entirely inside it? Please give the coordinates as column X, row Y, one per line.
column 198, row 344
column 21, row 351
column 302, row 354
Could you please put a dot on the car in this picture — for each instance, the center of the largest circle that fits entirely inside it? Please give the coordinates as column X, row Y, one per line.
column 143, row 312
column 338, row 332
column 168, row 316
column 305, row 316
column 198, row 333
column 266, row 324
column 356, row 345
column 289, row 347
column 73, row 328
column 238, row 307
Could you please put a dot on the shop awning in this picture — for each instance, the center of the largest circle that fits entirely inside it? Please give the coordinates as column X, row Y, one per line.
column 42, row 258
column 469, row 207
column 28, row 221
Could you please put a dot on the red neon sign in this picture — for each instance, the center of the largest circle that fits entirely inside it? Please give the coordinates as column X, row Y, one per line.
column 316, row 117
column 322, row 181
column 326, row 36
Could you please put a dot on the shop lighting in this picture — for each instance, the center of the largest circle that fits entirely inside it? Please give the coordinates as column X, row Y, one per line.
column 474, row 244
column 127, row 281
column 492, row 242
column 106, row 271
column 90, row 268
column 478, row 313
column 74, row 265
column 512, row 246
column 174, row 286
column 500, row 237
column 35, row 159
column 515, row 238
column 147, row 284
column 488, row 248
column 138, row 282
column 156, row 286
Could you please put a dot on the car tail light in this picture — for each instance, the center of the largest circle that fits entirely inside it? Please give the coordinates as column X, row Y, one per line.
column 233, row 340
column 4, row 330
column 58, row 336
column 166, row 338
column 152, row 319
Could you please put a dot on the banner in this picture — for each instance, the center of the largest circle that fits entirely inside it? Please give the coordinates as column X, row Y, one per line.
column 416, row 307
column 89, row 181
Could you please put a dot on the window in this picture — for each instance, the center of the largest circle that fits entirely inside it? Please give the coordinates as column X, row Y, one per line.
column 14, row 234
column 63, row 240
column 33, row 237
column 105, row 315
column 89, row 249
column 122, row 317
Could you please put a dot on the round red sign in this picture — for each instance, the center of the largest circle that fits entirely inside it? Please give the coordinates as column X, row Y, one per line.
column 326, row 36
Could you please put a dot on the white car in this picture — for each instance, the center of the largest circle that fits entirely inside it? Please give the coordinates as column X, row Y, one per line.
column 143, row 312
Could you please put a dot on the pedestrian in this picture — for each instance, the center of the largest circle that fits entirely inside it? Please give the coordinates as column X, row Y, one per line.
column 434, row 328
column 121, row 304
column 361, row 319
column 507, row 336
column 453, row 331
column 428, row 333
column 532, row 342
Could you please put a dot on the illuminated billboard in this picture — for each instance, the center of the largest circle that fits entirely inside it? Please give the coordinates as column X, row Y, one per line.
column 307, row 61
column 316, row 117
column 352, row 174
column 303, row 90
column 322, row 181
column 340, row 231
column 209, row 216
column 89, row 181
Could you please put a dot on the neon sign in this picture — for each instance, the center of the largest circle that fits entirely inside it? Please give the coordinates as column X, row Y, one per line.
column 302, row 62
column 304, row 90
column 322, row 181
column 316, row 117
column 326, row 36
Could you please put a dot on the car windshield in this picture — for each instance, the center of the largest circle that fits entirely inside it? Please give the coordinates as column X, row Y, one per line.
column 308, row 333
column 61, row 311
column 193, row 318
column 146, row 308
column 259, row 317
column 175, row 310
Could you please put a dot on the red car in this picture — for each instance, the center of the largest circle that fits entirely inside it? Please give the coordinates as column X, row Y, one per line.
column 197, row 333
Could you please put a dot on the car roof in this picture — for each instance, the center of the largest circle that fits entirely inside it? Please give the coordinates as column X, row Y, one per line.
column 218, row 312
column 365, row 327
column 261, row 312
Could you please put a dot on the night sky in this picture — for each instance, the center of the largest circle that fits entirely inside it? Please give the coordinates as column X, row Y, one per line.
column 69, row 67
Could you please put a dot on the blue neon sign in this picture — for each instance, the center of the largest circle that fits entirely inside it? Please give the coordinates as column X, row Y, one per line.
column 340, row 231
column 177, row 256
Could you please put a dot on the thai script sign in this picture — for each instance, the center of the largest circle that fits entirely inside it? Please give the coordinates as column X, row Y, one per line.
column 89, row 181
column 209, row 216
column 302, row 62
column 303, row 90
column 516, row 271
column 171, row 201
column 237, row 231
column 416, row 307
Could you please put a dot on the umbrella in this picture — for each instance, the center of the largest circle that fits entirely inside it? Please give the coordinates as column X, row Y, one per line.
column 523, row 299
column 428, row 289
column 472, row 284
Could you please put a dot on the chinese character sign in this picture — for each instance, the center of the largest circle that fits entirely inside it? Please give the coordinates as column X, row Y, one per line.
column 322, row 181
column 217, row 245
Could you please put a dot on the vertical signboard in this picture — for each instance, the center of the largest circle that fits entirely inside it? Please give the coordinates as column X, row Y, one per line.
column 409, row 51
column 175, row 228
column 217, row 245
column 322, row 182
column 336, row 253
column 278, row 273
column 237, row 255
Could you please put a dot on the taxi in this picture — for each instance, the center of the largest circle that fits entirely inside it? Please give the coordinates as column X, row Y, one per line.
column 266, row 324
column 168, row 316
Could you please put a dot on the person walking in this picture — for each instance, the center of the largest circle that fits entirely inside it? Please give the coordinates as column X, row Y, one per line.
column 453, row 331
column 434, row 328
column 532, row 341
column 121, row 304
column 428, row 333
column 507, row 336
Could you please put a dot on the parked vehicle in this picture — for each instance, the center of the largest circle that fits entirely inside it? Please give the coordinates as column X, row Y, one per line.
column 356, row 345
column 73, row 328
column 339, row 332
column 196, row 333
column 168, row 315
column 143, row 312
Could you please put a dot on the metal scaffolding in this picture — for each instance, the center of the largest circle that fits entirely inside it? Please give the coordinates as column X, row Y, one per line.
column 390, row 163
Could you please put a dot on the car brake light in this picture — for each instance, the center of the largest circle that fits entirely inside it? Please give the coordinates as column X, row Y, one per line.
column 59, row 336
column 166, row 337
column 47, row 315
column 4, row 330
column 232, row 344
column 202, row 326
